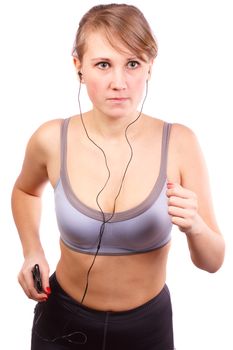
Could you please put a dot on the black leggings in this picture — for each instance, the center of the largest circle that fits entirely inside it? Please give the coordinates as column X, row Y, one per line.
column 61, row 323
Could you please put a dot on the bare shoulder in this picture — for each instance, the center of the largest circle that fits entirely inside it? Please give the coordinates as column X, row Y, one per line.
column 190, row 159
column 185, row 158
column 184, row 144
column 182, row 134
column 46, row 136
column 43, row 146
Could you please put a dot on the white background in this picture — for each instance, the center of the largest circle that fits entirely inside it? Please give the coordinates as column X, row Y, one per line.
column 191, row 84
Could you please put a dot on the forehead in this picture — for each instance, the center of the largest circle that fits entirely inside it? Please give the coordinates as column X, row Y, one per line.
column 97, row 45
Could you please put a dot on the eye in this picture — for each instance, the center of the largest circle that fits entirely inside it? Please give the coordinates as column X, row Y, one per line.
column 102, row 65
column 133, row 64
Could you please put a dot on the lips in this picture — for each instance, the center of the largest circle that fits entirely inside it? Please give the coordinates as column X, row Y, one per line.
column 118, row 99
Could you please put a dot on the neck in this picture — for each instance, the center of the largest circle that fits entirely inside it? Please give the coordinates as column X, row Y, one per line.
column 111, row 129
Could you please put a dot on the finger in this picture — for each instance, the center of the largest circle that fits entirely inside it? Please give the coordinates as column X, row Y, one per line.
column 177, row 202
column 182, row 223
column 186, row 213
column 26, row 281
column 45, row 282
column 35, row 295
column 24, row 286
column 179, row 191
column 188, row 204
column 44, row 277
column 179, row 212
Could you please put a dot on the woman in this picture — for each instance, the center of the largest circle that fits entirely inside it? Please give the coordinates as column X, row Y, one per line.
column 121, row 179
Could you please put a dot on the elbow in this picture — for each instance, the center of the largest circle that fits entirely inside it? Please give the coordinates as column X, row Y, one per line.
column 217, row 265
column 213, row 261
column 214, row 269
column 211, row 266
column 219, row 260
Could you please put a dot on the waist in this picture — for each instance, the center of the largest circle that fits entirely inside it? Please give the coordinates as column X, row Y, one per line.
column 115, row 282
column 75, row 305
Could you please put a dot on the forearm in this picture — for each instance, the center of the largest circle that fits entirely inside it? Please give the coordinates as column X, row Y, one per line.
column 26, row 211
column 206, row 248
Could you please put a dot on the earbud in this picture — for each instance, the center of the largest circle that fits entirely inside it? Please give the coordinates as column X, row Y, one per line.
column 80, row 75
column 149, row 73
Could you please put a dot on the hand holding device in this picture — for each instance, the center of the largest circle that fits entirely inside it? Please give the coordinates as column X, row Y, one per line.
column 37, row 278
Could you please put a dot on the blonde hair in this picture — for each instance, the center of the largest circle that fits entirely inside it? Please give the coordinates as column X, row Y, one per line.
column 119, row 23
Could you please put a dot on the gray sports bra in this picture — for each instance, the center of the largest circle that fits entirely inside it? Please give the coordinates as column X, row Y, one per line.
column 141, row 229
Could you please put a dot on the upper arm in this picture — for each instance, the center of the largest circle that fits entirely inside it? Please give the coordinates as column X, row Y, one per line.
column 34, row 173
column 193, row 172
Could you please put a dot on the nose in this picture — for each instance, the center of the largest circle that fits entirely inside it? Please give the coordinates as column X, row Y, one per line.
column 118, row 80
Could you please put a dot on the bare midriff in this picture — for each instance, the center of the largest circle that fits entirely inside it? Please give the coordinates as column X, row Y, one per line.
column 116, row 283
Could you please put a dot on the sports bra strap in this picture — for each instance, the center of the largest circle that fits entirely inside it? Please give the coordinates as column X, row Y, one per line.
column 64, row 127
column 164, row 149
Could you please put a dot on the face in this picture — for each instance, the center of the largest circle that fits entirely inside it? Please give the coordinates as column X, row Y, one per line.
column 115, row 80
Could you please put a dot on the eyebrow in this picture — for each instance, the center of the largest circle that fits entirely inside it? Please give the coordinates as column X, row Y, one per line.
column 105, row 59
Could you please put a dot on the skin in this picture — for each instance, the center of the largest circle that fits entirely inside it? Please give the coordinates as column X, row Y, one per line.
column 115, row 82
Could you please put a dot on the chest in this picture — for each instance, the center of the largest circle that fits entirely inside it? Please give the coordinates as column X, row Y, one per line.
column 116, row 175
column 140, row 229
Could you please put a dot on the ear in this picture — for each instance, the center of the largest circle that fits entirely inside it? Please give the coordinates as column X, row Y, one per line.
column 77, row 63
column 78, row 67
